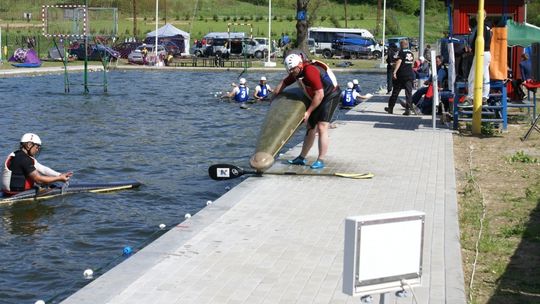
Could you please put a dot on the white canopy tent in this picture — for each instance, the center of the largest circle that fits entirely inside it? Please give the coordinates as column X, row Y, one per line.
column 169, row 30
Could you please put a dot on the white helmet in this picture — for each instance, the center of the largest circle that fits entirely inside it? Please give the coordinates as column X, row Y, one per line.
column 355, row 81
column 350, row 85
column 292, row 61
column 263, row 78
column 242, row 81
column 31, row 137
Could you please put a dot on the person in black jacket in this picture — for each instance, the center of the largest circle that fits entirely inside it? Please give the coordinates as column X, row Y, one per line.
column 403, row 76
column 391, row 57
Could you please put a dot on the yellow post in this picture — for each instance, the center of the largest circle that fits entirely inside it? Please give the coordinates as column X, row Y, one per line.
column 478, row 70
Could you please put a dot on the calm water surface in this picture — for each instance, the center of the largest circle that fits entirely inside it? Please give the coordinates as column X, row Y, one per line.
column 162, row 128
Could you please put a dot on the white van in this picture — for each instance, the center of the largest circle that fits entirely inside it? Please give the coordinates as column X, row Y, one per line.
column 325, row 36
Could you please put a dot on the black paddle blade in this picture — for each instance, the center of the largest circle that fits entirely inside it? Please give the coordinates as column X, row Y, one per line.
column 224, row 171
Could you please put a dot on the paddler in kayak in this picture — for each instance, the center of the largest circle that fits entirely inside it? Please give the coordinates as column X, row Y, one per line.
column 240, row 92
column 22, row 171
column 320, row 86
column 262, row 90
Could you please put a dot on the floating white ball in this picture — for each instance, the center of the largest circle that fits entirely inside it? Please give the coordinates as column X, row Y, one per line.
column 187, row 215
column 162, row 226
column 208, row 203
column 40, row 302
column 88, row 274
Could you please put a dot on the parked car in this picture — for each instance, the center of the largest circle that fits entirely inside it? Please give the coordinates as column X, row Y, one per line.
column 125, row 48
column 348, row 51
column 219, row 47
column 136, row 55
column 226, row 44
column 256, row 49
column 198, row 49
column 354, row 46
column 311, row 46
column 95, row 52
column 172, row 48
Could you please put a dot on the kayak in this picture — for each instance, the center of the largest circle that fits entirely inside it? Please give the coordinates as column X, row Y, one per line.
column 55, row 191
column 26, row 65
column 285, row 115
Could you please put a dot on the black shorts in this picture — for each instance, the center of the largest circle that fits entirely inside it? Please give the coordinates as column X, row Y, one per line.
column 325, row 111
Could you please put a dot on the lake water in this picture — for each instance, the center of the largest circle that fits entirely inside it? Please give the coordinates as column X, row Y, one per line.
column 162, row 128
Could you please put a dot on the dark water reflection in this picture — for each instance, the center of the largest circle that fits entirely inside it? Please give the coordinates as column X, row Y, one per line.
column 162, row 128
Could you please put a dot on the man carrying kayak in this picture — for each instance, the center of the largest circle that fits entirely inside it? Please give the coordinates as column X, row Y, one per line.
column 320, row 86
column 22, row 171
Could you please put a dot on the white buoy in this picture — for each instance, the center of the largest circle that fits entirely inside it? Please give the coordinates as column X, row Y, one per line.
column 187, row 215
column 88, row 274
column 208, row 203
column 162, row 226
column 40, row 302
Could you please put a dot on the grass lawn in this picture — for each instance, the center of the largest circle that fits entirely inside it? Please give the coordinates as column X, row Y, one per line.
column 498, row 179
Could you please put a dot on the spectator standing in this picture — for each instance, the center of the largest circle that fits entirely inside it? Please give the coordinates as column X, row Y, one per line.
column 144, row 53
column 390, row 61
column 403, row 76
column 427, row 52
column 487, row 61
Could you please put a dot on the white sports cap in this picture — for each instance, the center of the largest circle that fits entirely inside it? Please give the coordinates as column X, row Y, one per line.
column 31, row 137
column 350, row 85
column 292, row 61
column 422, row 58
column 242, row 81
column 263, row 78
column 355, row 81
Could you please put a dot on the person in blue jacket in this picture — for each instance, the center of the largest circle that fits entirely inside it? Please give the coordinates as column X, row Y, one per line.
column 240, row 93
column 262, row 90
column 349, row 97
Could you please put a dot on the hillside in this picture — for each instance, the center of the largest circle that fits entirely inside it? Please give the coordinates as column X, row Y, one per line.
column 201, row 16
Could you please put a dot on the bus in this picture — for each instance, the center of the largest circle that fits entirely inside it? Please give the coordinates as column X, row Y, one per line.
column 325, row 36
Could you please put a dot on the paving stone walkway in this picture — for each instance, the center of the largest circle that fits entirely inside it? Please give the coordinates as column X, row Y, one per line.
column 279, row 239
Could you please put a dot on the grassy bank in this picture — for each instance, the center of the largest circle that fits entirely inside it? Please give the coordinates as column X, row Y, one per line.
column 499, row 198
column 214, row 15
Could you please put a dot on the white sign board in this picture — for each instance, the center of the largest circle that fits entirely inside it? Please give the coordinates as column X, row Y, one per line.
column 382, row 250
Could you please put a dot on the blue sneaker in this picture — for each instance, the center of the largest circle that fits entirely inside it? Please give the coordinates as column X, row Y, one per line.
column 298, row 161
column 318, row 164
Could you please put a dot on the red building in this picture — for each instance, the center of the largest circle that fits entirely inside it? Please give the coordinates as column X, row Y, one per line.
column 497, row 10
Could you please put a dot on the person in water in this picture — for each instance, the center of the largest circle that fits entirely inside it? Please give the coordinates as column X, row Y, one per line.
column 240, row 92
column 359, row 97
column 23, row 172
column 320, row 86
column 349, row 97
column 262, row 90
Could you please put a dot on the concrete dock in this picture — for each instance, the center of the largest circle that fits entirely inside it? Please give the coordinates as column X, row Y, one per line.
column 280, row 239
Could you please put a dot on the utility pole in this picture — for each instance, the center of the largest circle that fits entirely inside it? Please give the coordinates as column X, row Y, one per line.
column 421, row 30
column 379, row 18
